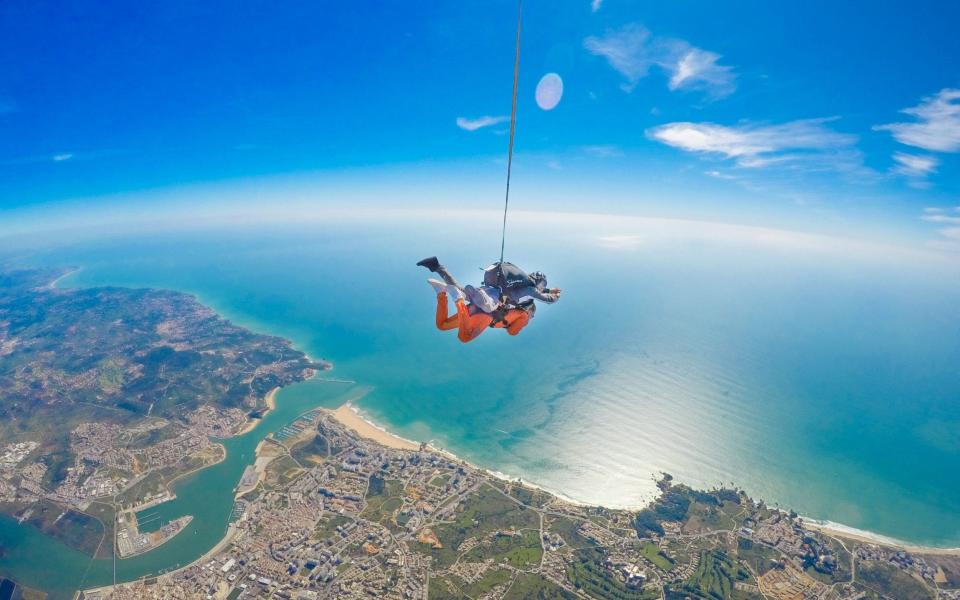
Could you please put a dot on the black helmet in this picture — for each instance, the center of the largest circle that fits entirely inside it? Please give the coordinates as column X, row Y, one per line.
column 539, row 279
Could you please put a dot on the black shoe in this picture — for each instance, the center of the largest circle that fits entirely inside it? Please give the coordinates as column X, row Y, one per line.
column 431, row 264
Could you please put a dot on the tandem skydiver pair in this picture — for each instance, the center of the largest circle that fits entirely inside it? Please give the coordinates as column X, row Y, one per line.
column 505, row 300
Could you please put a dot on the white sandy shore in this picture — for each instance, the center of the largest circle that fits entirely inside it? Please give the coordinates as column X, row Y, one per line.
column 352, row 420
column 868, row 537
column 349, row 417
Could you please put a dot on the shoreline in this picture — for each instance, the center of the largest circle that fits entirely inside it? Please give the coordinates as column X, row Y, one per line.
column 846, row 532
column 271, row 401
column 351, row 418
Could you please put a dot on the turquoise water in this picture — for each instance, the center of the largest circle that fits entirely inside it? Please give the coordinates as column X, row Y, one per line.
column 823, row 383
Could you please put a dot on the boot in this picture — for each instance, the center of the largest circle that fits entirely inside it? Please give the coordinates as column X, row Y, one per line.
column 431, row 264
column 438, row 286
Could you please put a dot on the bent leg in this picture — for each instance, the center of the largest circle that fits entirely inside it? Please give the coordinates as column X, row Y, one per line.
column 471, row 326
column 444, row 322
column 446, row 276
column 516, row 320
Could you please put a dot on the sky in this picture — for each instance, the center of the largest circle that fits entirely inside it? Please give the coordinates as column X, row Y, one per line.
column 827, row 117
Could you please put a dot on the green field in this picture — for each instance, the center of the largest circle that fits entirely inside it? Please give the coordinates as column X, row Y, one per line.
column 891, row 581
column 589, row 575
column 714, row 578
column 653, row 553
column 529, row 585
column 453, row 588
column 482, row 515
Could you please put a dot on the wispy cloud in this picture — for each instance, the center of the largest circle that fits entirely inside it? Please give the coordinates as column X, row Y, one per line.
column 61, row 157
column 807, row 141
column 478, row 123
column 942, row 216
column 603, row 151
column 937, row 125
column 595, row 5
column 632, row 51
column 626, row 50
column 697, row 69
column 620, row 242
column 949, row 236
column 915, row 167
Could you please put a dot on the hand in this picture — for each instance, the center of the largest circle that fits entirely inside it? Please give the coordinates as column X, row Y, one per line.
column 555, row 291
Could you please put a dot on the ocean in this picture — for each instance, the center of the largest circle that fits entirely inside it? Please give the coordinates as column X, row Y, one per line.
column 819, row 378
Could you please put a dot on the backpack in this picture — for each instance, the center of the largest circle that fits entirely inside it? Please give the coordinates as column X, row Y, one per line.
column 506, row 276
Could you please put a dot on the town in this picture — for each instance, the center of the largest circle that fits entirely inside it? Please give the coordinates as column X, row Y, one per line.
column 334, row 515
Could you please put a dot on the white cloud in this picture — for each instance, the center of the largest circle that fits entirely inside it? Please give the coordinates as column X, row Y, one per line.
column 951, row 233
column 61, row 157
column 941, row 215
column 698, row 69
column 949, row 236
column 626, row 50
column 914, row 166
column 595, row 5
column 756, row 146
column 719, row 175
column 944, row 219
column 620, row 242
column 937, row 127
column 475, row 124
column 632, row 50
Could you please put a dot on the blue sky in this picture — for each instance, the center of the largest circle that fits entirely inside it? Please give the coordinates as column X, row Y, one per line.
column 822, row 116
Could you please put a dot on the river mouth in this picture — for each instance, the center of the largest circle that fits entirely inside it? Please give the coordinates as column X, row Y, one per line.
column 38, row 561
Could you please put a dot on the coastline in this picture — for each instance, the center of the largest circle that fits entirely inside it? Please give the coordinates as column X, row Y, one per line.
column 846, row 532
column 351, row 418
column 271, row 401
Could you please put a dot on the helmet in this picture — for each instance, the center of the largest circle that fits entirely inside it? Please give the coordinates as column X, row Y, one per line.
column 539, row 279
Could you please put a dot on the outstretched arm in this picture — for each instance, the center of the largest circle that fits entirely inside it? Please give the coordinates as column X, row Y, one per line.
column 548, row 296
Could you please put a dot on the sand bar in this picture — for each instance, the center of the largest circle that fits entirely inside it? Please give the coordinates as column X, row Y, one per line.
column 351, row 419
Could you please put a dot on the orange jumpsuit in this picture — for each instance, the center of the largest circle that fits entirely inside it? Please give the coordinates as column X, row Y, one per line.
column 471, row 322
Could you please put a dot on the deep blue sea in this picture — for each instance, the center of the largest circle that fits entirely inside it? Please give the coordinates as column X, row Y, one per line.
column 823, row 380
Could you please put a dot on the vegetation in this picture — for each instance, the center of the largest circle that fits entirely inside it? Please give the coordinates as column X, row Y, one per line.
column 569, row 530
column 114, row 355
column 758, row 557
column 482, row 515
column 654, row 554
column 532, row 586
column 454, row 588
column 589, row 575
column 881, row 577
column 384, row 499
column 77, row 530
column 312, row 451
column 714, row 579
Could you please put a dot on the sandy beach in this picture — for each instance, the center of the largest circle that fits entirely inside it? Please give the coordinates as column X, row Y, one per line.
column 351, row 419
column 271, row 401
column 865, row 537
